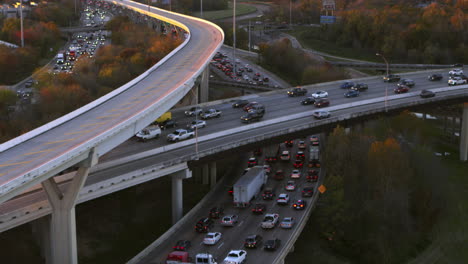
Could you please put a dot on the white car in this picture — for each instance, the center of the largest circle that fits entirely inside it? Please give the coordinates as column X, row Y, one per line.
column 285, row 156
column 295, row 174
column 290, row 186
column 456, row 81
column 212, row 238
column 283, row 198
column 320, row 94
column 320, row 114
column 270, row 221
column 197, row 124
column 456, row 72
column 235, row 257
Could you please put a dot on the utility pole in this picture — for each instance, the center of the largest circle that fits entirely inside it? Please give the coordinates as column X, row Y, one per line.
column 234, row 36
column 290, row 12
column 201, row 8
column 21, row 15
column 249, row 36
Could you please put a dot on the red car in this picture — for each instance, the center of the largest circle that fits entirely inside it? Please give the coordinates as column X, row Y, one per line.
column 401, row 89
column 249, row 106
column 322, row 103
column 279, row 175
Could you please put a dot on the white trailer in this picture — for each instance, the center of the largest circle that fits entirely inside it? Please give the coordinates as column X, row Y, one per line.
column 314, row 152
column 248, row 186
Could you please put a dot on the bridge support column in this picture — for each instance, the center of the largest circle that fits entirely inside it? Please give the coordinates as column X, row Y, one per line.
column 464, row 134
column 212, row 174
column 205, row 174
column 41, row 232
column 177, row 194
column 205, row 76
column 63, row 225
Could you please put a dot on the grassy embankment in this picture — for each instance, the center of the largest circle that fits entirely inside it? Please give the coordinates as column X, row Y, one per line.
column 241, row 9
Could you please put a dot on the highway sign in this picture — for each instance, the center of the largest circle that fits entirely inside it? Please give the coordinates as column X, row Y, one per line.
column 322, row 188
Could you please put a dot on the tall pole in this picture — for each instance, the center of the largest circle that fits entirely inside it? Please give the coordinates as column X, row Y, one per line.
column 234, row 35
column 386, row 86
column 21, row 15
column 290, row 12
column 249, row 35
column 201, row 8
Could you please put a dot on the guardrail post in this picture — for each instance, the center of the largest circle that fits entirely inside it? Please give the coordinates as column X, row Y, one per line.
column 63, row 224
column 212, row 174
column 205, row 76
column 464, row 134
column 177, row 193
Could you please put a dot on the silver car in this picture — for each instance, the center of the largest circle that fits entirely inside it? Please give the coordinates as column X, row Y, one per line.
column 229, row 220
column 288, row 222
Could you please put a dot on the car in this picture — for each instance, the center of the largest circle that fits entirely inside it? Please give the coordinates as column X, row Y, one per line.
column 320, row 94
column 252, row 162
column 259, row 208
column 253, row 241
column 314, row 163
column 456, row 81
column 272, row 244
column 308, row 101
column 28, row 83
column 168, row 124
column 182, row 245
column 204, row 225
column 314, row 140
column 300, row 155
column 210, row 113
column 285, row 156
column 295, row 174
column 426, row 94
column 301, row 144
column 456, row 72
column 360, row 87
column 279, row 175
column 212, row 238
column 194, row 111
column 322, row 103
column 391, row 78
column 268, row 194
column 235, row 257
column 269, row 221
column 282, row 199
column 298, row 164
column 257, row 152
column 401, row 89
column 249, row 106
column 351, row 93
column 216, row 212
column 312, row 175
column 290, row 186
column 229, row 220
column 288, row 222
column 321, row 114
column 289, row 143
column 307, row 191
column 299, row 204
column 408, row 82
column 196, row 124
column 435, row 77
column 347, row 85
column 297, row 91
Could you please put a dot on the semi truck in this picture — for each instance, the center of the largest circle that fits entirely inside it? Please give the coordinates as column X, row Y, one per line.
column 248, row 186
column 314, row 152
column 271, row 153
column 182, row 257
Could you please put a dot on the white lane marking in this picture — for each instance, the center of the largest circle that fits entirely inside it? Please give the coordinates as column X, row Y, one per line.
column 220, row 245
column 201, row 243
column 240, row 223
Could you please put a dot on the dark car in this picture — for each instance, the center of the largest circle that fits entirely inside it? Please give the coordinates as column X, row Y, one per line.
column 249, row 106
column 360, row 87
column 314, row 163
column 426, row 94
column 259, row 208
column 257, row 152
column 279, row 175
column 216, row 212
column 347, row 85
column 168, row 124
column 272, row 244
column 401, row 89
column 182, row 245
column 239, row 103
column 408, row 82
column 252, row 162
column 307, row 191
column 308, row 101
column 312, row 175
column 300, row 155
column 268, row 194
column 391, row 78
column 297, row 92
column 299, row 204
column 435, row 77
column 253, row 241
column 351, row 93
column 289, row 143
column 204, row 225
column 322, row 103
column 298, row 164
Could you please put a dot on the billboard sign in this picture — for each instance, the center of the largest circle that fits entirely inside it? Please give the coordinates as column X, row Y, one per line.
column 328, row 4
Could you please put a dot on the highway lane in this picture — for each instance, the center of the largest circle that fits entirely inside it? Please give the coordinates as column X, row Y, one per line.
column 101, row 120
column 277, row 104
column 233, row 237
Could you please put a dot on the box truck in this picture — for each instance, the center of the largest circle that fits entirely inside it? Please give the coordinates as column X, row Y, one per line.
column 248, row 186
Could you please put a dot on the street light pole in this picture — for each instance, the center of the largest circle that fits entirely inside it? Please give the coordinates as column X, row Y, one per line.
column 21, row 15
column 249, row 35
column 290, row 12
column 386, row 86
column 201, row 8
column 234, row 35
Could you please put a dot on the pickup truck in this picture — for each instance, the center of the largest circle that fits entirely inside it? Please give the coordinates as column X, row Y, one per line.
column 210, row 113
column 149, row 133
column 194, row 111
column 269, row 221
column 180, row 134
